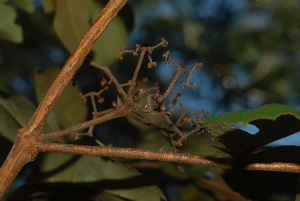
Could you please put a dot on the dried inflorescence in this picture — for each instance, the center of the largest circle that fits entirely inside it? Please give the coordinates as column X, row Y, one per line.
column 154, row 101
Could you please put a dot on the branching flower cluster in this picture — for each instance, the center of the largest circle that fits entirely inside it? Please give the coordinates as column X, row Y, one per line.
column 130, row 95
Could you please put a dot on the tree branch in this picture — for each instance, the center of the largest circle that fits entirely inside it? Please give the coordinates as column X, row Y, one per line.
column 161, row 156
column 38, row 119
column 22, row 151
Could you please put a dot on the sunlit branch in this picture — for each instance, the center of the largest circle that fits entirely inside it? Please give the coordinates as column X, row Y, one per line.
column 161, row 156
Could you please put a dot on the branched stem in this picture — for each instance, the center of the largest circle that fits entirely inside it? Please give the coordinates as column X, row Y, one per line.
column 111, row 76
column 38, row 119
column 21, row 153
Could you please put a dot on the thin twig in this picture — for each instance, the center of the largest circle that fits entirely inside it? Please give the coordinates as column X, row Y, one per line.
column 120, row 112
column 141, row 119
column 111, row 76
column 137, row 69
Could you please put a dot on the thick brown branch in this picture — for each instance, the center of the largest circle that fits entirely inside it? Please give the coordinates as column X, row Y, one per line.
column 124, row 152
column 160, row 156
column 18, row 157
column 37, row 121
column 22, row 151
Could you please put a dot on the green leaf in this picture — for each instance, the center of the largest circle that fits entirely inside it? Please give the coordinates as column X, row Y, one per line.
column 153, row 119
column 48, row 6
column 71, row 21
column 283, row 154
column 8, row 126
column 65, row 191
column 26, row 5
column 208, row 190
column 191, row 192
column 274, row 122
column 102, row 172
column 115, row 35
column 19, row 107
column 152, row 140
column 196, row 145
column 70, row 109
column 15, row 112
column 8, row 29
column 269, row 111
column 231, row 137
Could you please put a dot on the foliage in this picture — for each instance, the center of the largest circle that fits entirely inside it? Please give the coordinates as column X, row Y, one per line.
column 274, row 122
column 155, row 119
column 9, row 30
